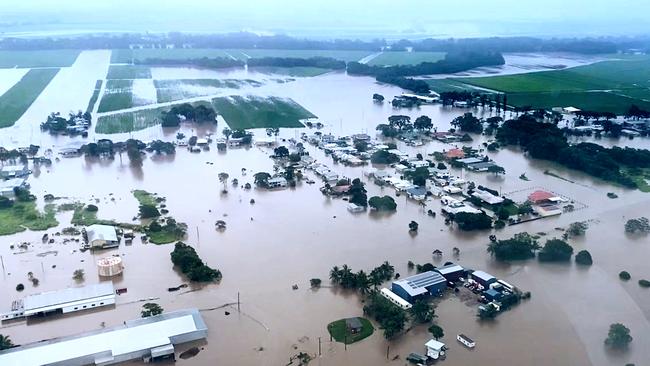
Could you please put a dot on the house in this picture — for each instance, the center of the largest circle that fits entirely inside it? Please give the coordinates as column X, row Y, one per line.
column 396, row 300
column 202, row 142
column 469, row 161
column 452, row 189
column 421, row 285
column 451, row 272
column 417, row 193
column 419, row 164
column 487, row 197
column 7, row 187
column 276, row 182
column 455, row 154
column 481, row 167
column 540, row 197
column 465, row 340
column 102, row 236
column 353, row 325
column 548, row 209
column 354, row 208
column 14, row 171
column 483, row 278
column 435, row 349
column 570, row 110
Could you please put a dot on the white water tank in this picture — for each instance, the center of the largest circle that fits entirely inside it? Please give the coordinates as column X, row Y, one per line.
column 109, row 266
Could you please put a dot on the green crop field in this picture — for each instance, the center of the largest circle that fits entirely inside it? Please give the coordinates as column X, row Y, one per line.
column 117, row 95
column 129, row 56
column 95, row 96
column 128, row 72
column 173, row 90
column 15, row 101
column 299, row 71
column 592, row 101
column 405, row 58
column 41, row 58
column 129, row 121
column 258, row 112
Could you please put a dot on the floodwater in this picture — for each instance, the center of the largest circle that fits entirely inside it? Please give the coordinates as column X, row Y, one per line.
column 292, row 235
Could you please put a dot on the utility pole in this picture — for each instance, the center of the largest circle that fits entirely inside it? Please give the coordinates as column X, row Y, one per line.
column 3, row 266
column 238, row 308
column 387, row 350
column 319, row 353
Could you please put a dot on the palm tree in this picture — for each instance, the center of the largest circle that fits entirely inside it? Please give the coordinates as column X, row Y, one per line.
column 362, row 282
column 5, row 342
column 375, row 278
column 335, row 275
column 223, row 178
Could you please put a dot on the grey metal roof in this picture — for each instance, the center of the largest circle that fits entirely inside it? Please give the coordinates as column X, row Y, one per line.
column 117, row 343
column 483, row 275
column 52, row 298
column 101, row 232
column 416, row 285
column 353, row 323
column 449, row 269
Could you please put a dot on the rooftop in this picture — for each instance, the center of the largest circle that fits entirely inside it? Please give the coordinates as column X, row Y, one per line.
column 55, row 298
column 101, row 232
column 451, row 268
column 110, row 343
column 483, row 275
column 538, row 196
column 416, row 285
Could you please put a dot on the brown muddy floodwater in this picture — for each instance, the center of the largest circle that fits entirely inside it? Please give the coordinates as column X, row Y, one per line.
column 292, row 235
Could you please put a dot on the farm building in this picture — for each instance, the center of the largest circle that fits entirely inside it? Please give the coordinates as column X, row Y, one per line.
column 421, row 285
column 63, row 301
column 14, row 171
column 481, row 167
column 147, row 339
column 483, row 278
column 487, row 197
column 392, row 297
column 277, row 182
column 451, row 272
column 102, row 236
column 548, row 209
column 538, row 197
column 353, row 325
column 469, row 161
column 7, row 187
column 455, row 154
column 435, row 349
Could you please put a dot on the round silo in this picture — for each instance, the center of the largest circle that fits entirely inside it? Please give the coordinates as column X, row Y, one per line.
column 109, row 266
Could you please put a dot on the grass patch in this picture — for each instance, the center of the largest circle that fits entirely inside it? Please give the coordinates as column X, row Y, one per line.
column 641, row 177
column 592, row 101
column 95, row 96
column 343, row 55
column 339, row 331
column 449, row 85
column 173, row 90
column 405, row 58
column 298, row 71
column 128, row 72
column 145, row 198
column 41, row 58
column 20, row 97
column 24, row 215
column 132, row 121
column 117, row 95
column 257, row 112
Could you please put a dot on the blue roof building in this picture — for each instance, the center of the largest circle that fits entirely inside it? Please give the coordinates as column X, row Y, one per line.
column 492, row 294
column 420, row 285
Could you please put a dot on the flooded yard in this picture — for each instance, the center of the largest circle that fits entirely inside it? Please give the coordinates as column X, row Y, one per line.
column 289, row 236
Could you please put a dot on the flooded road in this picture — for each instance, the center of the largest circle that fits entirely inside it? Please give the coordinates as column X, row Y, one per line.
column 292, row 235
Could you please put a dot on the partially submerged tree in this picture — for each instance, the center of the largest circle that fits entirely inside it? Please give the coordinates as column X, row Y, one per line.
column 618, row 336
column 223, row 178
column 639, row 225
column 151, row 309
column 584, row 257
column 436, row 331
column 5, row 342
column 78, row 275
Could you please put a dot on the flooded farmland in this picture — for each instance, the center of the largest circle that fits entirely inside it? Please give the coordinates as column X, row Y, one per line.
column 292, row 235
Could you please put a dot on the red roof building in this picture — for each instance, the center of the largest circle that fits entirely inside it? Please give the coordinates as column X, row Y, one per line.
column 455, row 154
column 540, row 196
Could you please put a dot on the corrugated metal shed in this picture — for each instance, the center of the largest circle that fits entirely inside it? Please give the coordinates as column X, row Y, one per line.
column 417, row 285
column 51, row 299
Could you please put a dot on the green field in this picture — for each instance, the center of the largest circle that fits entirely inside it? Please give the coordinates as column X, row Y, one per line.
column 25, row 215
column 257, row 112
column 41, row 58
column 129, row 56
column 128, row 72
column 298, row 71
column 593, row 101
column 449, row 85
column 405, row 58
column 117, row 95
column 129, row 121
column 20, row 97
column 339, row 331
column 173, row 90
column 95, row 96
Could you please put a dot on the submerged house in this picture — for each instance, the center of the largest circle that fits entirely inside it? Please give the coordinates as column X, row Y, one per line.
column 277, row 182
column 102, row 236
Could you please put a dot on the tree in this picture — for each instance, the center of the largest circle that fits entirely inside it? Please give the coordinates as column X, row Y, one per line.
column 577, row 229
column 639, row 225
column 151, row 309
column 525, row 208
column 261, row 179
column 555, row 250
column 436, row 331
column 422, row 311
column 148, row 211
column 5, row 342
column 496, row 169
column 618, row 336
column 315, row 282
column 413, row 226
column 383, row 157
column 378, row 98
column 78, row 275
column 390, row 317
column 133, row 152
column 385, row 203
column 624, row 275
column 180, row 136
column 468, row 123
column 223, row 178
column 423, row 123
column 281, row 151
column 473, row 221
column 584, row 257
column 227, row 133
column 419, row 176
column 357, row 193
column 521, row 246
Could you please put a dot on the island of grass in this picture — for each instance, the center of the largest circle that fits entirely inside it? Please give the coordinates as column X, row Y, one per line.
column 123, row 122
column 15, row 101
column 40, row 58
column 405, row 58
column 347, row 331
column 19, row 216
column 242, row 113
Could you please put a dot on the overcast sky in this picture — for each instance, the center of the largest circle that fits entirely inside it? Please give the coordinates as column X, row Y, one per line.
column 309, row 17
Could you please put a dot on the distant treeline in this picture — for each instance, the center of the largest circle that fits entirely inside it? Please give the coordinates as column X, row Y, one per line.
column 322, row 62
column 214, row 63
column 250, row 40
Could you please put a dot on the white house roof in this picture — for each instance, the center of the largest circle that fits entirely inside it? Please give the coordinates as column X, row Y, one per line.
column 108, row 344
column 435, row 345
column 487, row 197
column 52, row 298
column 101, row 232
